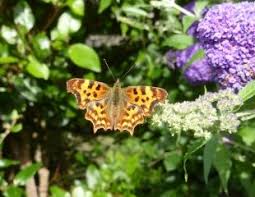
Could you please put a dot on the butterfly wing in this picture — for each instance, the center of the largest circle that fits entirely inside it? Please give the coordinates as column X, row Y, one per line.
column 97, row 113
column 91, row 95
column 86, row 90
column 131, row 116
column 145, row 97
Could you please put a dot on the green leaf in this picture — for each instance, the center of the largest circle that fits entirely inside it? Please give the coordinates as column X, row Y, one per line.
column 187, row 21
column 23, row 15
column 103, row 5
column 28, row 172
column 8, row 60
column 84, row 57
column 17, row 127
column 208, row 156
column 179, row 41
column 37, row 69
column 247, row 134
column 68, row 24
column 172, row 160
column 9, row 34
column 248, row 91
column 199, row 7
column 58, row 192
column 5, row 163
column 41, row 45
column 13, row 191
column 93, row 176
column 134, row 11
column 76, row 6
column 222, row 163
column 195, row 146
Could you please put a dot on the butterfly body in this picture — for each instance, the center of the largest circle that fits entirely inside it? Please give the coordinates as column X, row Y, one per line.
column 114, row 107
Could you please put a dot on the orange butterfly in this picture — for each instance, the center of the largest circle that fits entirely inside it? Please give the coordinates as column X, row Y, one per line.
column 114, row 107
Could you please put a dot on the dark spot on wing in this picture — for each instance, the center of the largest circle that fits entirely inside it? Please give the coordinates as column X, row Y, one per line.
column 95, row 94
column 88, row 94
column 143, row 100
column 98, row 87
column 84, row 91
column 147, row 98
column 136, row 98
column 135, row 91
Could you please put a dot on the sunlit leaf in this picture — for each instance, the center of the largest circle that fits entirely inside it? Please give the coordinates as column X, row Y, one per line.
column 23, row 15
column 208, row 156
column 93, row 177
column 76, row 6
column 247, row 134
column 17, row 127
column 104, row 4
column 37, row 69
column 9, row 34
column 28, row 172
column 13, row 191
column 68, row 24
column 5, row 163
column 84, row 57
column 187, row 21
column 179, row 41
column 248, row 91
column 58, row 192
column 8, row 60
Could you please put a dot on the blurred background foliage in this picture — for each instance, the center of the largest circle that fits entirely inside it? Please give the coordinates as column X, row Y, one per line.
column 47, row 148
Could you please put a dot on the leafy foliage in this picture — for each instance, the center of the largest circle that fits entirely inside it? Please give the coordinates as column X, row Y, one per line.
column 44, row 138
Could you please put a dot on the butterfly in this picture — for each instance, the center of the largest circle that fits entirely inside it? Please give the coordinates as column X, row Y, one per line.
column 114, row 107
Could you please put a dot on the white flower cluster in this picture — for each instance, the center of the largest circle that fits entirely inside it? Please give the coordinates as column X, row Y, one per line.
column 210, row 113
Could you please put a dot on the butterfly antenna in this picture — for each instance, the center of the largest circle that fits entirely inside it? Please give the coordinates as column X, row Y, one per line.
column 110, row 70
column 125, row 74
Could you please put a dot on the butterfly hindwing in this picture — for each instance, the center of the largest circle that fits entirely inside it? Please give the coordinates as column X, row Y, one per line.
column 145, row 96
column 97, row 113
column 131, row 116
column 86, row 90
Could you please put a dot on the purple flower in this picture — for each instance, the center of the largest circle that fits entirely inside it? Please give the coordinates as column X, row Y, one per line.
column 227, row 34
column 199, row 72
column 177, row 59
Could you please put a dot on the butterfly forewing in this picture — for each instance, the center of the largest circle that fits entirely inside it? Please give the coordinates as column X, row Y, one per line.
column 146, row 97
column 86, row 90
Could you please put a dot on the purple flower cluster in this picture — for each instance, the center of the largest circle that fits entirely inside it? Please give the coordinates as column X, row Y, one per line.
column 227, row 35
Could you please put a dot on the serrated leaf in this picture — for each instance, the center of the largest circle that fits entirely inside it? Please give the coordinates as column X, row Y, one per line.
column 76, row 6
column 222, row 163
column 23, row 15
column 179, row 41
column 172, row 160
column 13, row 191
column 58, row 192
column 28, row 172
column 103, row 5
column 195, row 146
column 5, row 163
column 37, row 69
column 248, row 91
column 208, row 156
column 84, row 57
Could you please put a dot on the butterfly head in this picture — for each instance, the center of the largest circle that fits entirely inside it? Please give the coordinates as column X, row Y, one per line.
column 117, row 83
